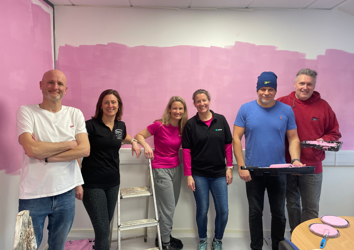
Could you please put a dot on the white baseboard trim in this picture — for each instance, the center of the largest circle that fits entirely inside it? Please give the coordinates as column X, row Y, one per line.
column 182, row 233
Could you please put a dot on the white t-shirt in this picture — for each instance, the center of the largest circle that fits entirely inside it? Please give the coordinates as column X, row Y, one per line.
column 38, row 178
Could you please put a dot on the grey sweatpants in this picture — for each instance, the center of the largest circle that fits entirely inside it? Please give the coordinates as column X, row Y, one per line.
column 167, row 188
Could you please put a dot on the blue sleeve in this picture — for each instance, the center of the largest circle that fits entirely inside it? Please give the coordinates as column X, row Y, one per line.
column 291, row 122
column 241, row 117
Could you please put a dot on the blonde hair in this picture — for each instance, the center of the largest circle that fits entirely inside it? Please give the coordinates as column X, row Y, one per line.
column 165, row 120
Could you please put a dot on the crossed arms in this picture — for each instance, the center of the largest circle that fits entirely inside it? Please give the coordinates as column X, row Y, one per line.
column 55, row 151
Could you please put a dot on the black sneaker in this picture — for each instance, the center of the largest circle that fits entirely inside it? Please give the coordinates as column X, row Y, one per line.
column 168, row 247
column 175, row 243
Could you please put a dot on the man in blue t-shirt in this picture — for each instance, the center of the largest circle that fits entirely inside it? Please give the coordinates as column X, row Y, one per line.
column 266, row 123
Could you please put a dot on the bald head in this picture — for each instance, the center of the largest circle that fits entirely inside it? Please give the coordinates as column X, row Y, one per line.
column 53, row 85
column 55, row 73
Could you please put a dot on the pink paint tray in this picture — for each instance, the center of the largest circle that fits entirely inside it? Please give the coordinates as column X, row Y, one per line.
column 322, row 145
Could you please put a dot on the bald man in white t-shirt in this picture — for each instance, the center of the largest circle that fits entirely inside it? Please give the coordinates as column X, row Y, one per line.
column 53, row 137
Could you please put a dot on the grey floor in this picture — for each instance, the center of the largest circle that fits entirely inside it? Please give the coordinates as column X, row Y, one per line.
column 191, row 244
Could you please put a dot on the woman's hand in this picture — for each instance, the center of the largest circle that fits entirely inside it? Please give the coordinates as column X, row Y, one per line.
column 149, row 154
column 229, row 176
column 191, row 183
column 79, row 192
column 136, row 149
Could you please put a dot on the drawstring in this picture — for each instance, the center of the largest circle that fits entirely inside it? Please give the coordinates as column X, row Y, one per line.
column 294, row 103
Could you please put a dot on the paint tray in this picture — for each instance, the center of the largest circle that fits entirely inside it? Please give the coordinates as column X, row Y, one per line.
column 323, row 145
column 276, row 169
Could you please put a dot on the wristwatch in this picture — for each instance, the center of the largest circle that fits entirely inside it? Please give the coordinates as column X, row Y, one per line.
column 292, row 161
column 133, row 140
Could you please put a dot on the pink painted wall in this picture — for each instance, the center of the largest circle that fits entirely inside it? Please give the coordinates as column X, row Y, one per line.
column 146, row 77
column 25, row 53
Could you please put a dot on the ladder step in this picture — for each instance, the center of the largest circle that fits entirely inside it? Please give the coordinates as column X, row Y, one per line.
column 134, row 192
column 138, row 224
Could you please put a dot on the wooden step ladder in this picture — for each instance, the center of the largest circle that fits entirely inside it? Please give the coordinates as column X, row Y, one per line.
column 135, row 192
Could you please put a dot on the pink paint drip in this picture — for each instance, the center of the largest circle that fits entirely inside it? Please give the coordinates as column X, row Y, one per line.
column 26, row 53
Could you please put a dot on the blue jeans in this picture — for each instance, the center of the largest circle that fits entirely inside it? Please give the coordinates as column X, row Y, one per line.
column 276, row 189
column 60, row 210
column 308, row 188
column 218, row 189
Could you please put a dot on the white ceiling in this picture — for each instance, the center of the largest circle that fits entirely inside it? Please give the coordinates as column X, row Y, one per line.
column 343, row 5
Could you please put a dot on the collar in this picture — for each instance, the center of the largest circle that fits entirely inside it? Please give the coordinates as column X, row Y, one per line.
column 315, row 97
column 213, row 117
column 102, row 123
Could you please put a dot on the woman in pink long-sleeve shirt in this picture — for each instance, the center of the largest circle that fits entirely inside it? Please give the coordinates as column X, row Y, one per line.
column 166, row 167
column 206, row 144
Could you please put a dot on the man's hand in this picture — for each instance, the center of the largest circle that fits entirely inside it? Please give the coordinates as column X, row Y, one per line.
column 229, row 176
column 79, row 192
column 297, row 164
column 244, row 175
column 191, row 183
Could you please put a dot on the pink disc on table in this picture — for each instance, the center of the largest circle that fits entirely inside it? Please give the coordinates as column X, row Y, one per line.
column 334, row 221
column 320, row 230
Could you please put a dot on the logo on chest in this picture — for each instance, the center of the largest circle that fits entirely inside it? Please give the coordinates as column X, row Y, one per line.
column 218, row 129
column 315, row 118
column 119, row 134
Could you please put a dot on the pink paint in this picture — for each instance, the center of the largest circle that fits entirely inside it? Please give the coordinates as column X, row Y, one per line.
column 322, row 143
column 322, row 229
column 334, row 221
column 26, row 53
column 146, row 77
column 281, row 166
column 86, row 244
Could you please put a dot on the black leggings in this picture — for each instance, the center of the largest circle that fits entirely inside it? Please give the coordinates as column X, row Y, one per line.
column 100, row 204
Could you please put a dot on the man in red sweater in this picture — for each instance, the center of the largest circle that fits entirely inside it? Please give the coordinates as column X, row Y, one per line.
column 315, row 120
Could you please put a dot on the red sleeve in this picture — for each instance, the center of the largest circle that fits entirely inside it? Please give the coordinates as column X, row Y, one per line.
column 228, row 154
column 187, row 162
column 332, row 133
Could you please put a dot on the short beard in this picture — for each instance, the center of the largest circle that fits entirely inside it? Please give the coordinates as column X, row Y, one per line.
column 265, row 102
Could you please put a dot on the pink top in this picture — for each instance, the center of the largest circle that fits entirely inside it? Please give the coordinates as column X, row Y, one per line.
column 187, row 160
column 167, row 143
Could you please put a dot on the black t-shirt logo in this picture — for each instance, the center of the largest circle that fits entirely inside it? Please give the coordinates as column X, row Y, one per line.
column 119, row 134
